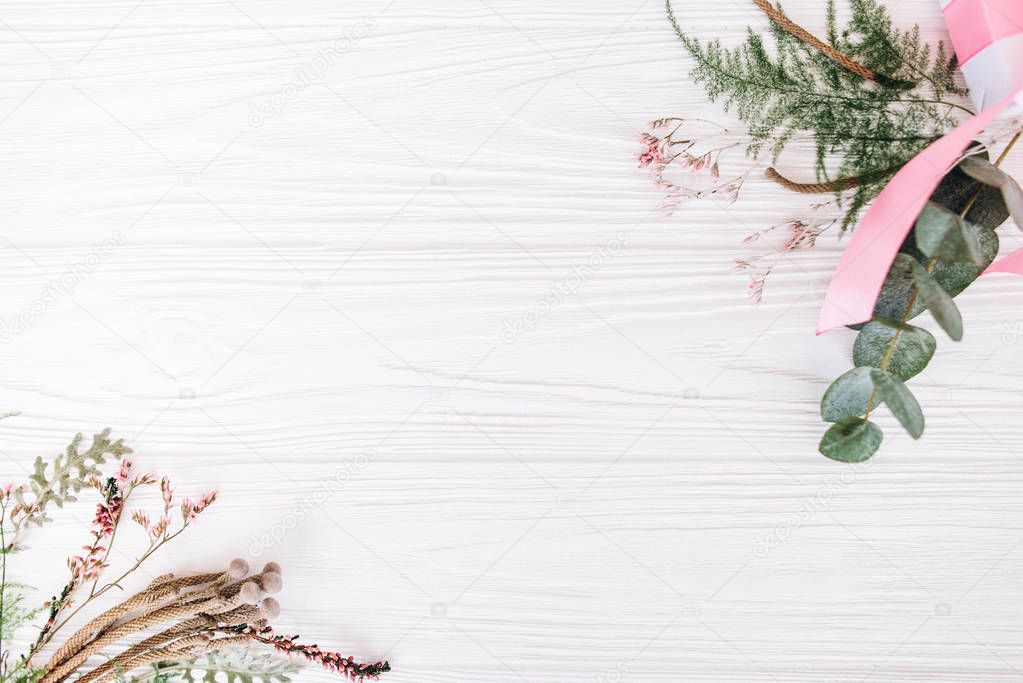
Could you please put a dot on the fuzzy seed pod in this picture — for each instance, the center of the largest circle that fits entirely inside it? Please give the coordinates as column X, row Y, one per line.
column 271, row 582
column 272, row 567
column 237, row 569
column 249, row 593
column 269, row 608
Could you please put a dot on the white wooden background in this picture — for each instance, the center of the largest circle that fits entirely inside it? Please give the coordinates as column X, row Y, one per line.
column 325, row 293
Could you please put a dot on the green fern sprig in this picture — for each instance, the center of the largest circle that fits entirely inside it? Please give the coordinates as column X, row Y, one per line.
column 15, row 614
column 787, row 90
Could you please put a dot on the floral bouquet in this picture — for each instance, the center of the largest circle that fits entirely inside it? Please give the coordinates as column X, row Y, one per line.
column 908, row 141
column 212, row 625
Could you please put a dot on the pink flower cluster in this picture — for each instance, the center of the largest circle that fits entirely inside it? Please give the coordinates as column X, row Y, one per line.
column 332, row 661
column 156, row 529
column 684, row 165
column 801, row 234
column 653, row 151
column 108, row 514
column 190, row 510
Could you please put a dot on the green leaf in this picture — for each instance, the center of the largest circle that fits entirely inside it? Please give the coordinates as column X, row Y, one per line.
column 955, row 277
column 941, row 234
column 900, row 401
column 848, row 395
column 958, row 191
column 897, row 290
column 913, row 347
column 852, row 439
column 984, row 171
column 938, row 302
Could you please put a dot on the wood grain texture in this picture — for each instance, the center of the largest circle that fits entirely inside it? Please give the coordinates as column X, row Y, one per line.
column 588, row 501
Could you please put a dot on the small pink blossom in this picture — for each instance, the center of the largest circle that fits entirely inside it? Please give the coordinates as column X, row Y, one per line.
column 652, row 153
column 124, row 473
column 142, row 519
column 190, row 510
column 167, row 492
column 803, row 236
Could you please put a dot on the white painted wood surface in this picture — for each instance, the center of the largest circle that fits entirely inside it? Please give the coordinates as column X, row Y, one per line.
column 580, row 504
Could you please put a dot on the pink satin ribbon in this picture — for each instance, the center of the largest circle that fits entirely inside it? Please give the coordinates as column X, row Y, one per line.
column 974, row 25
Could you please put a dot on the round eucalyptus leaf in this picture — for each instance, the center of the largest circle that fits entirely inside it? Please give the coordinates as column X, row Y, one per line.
column 852, row 439
column 955, row 277
column 898, row 286
column 897, row 290
column 941, row 234
column 913, row 350
column 848, row 395
column 989, row 174
column 900, row 401
column 938, row 302
column 987, row 211
column 957, row 190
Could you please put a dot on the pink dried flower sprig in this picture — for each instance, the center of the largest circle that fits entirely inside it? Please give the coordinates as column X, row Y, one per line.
column 190, row 510
column 802, row 234
column 168, row 494
column 332, row 661
column 90, row 565
column 688, row 166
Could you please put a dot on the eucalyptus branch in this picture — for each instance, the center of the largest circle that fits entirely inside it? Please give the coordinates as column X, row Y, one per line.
column 933, row 261
column 952, row 242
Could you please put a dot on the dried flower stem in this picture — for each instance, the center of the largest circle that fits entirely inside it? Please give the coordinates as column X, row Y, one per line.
column 191, row 646
column 159, row 591
column 3, row 583
column 153, row 547
column 188, row 645
column 140, row 623
column 129, row 659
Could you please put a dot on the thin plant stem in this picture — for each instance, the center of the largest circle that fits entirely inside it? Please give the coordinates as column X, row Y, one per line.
column 116, row 582
column 110, row 541
column 3, row 584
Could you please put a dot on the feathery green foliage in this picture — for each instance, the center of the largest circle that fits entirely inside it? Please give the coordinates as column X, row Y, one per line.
column 15, row 613
column 234, row 665
column 789, row 90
